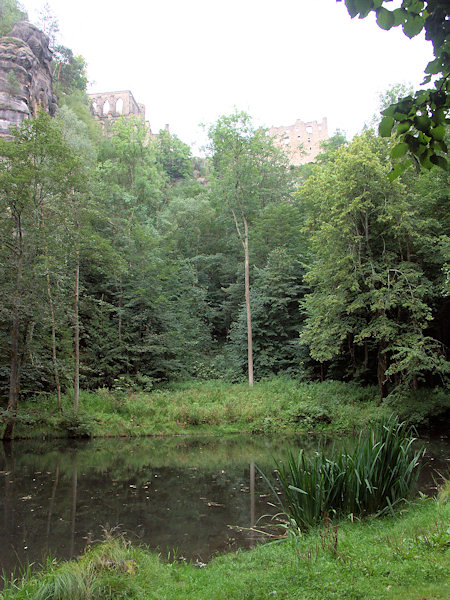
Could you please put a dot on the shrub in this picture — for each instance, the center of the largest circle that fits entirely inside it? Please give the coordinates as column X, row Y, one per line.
column 77, row 424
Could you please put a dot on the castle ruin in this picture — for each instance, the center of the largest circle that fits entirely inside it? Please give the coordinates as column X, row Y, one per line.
column 300, row 141
column 108, row 107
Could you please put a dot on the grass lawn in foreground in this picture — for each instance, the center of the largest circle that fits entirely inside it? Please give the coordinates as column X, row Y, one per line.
column 402, row 558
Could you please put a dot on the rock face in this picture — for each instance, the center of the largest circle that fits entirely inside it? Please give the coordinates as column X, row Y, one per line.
column 25, row 76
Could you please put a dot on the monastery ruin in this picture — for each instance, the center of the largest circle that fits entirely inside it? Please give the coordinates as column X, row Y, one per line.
column 301, row 141
column 107, row 107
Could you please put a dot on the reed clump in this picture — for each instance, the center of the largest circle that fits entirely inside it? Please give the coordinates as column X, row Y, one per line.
column 372, row 477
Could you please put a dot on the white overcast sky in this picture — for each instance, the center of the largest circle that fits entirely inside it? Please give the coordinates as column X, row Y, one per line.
column 190, row 61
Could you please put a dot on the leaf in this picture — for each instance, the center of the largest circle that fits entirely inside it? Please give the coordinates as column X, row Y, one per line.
column 399, row 150
column 434, row 66
column 422, row 122
column 352, row 10
column 425, row 158
column 442, row 146
column 385, row 126
column 399, row 16
column 385, row 18
column 413, row 26
column 364, row 7
column 397, row 171
column 439, row 161
column 438, row 133
column 439, row 116
column 389, row 111
column 403, row 127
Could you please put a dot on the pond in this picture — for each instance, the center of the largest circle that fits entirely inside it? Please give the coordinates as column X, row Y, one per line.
column 188, row 497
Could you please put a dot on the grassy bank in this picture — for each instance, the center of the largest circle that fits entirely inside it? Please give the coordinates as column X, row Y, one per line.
column 403, row 558
column 217, row 407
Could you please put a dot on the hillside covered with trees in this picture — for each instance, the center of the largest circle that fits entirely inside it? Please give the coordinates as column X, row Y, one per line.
column 127, row 262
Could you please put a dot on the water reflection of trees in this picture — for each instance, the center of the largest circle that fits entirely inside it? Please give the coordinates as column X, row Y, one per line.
column 170, row 494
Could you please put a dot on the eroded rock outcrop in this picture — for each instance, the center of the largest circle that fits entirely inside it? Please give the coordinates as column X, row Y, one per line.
column 25, row 76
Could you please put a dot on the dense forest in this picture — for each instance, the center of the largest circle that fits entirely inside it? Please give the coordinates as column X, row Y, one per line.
column 127, row 262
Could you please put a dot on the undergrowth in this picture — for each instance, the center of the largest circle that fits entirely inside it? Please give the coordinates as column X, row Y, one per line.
column 216, row 407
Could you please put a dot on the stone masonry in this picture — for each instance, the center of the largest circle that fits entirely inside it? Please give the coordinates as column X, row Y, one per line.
column 301, row 141
column 110, row 106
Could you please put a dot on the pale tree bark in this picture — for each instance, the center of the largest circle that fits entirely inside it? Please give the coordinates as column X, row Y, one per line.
column 76, row 318
column 53, row 325
column 76, row 333
column 14, row 372
column 244, row 239
column 247, row 306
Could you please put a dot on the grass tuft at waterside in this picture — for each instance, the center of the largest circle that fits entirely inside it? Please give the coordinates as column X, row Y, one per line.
column 380, row 471
column 403, row 557
column 218, row 407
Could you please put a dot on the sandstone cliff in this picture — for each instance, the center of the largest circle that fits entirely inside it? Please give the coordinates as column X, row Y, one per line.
column 25, row 76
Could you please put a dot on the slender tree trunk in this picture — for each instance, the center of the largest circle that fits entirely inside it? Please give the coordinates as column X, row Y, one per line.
column 247, row 306
column 55, row 363
column 76, row 327
column 244, row 240
column 14, row 382
column 120, row 308
column 366, row 355
column 14, row 371
column 76, row 334
column 381, row 370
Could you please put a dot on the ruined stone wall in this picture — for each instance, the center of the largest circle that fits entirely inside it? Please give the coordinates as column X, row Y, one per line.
column 25, row 76
column 301, row 141
column 110, row 106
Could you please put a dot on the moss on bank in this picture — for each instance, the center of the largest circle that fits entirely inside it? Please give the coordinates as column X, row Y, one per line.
column 404, row 559
column 216, row 407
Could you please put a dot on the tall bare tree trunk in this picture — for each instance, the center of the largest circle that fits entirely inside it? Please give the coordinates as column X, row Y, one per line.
column 76, row 334
column 14, row 372
column 381, row 370
column 76, row 325
column 120, row 308
column 55, row 363
column 14, row 379
column 244, row 240
column 247, row 306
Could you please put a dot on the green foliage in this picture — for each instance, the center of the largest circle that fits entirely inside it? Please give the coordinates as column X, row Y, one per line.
column 76, row 424
column 378, row 473
column 38, row 173
column 69, row 71
column 174, row 156
column 10, row 13
column 373, row 251
column 275, row 296
column 417, row 120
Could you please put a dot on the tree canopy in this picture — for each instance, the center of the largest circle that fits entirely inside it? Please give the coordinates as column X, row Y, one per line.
column 418, row 120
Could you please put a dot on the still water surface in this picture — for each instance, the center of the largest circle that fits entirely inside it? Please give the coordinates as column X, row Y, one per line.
column 183, row 496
